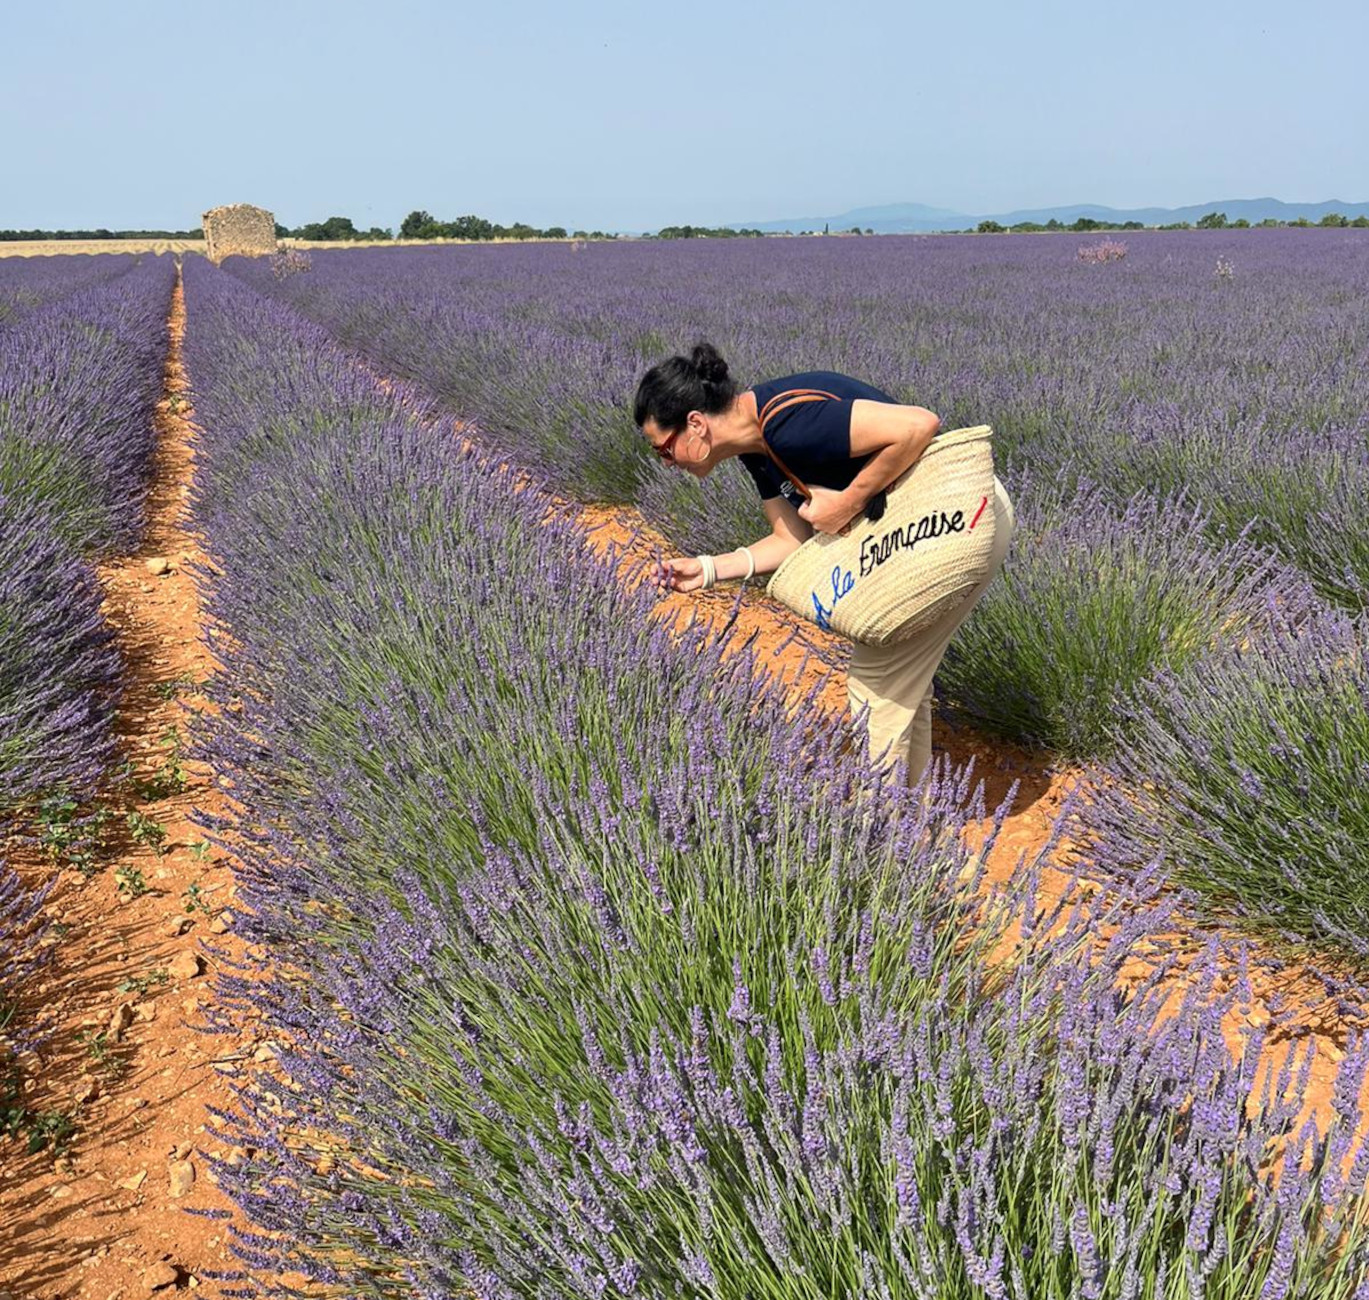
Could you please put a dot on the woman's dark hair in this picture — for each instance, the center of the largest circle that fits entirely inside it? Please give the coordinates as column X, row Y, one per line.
column 678, row 385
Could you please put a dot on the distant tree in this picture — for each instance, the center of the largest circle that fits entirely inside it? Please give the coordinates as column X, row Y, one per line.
column 1212, row 221
column 869, row 230
column 855, row 230
column 282, row 232
column 556, row 232
column 1361, row 222
column 825, row 231
column 379, row 232
column 335, row 228
column 1300, row 221
column 1133, row 225
column 1240, row 224
column 1054, row 224
column 412, row 225
column 1082, row 224
column 1334, row 219
column 581, row 234
column 991, row 228
column 1268, row 223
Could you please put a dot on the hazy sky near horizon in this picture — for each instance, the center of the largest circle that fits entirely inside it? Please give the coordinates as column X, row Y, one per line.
column 629, row 116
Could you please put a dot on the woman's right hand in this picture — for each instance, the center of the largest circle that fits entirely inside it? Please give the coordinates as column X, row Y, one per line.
column 680, row 573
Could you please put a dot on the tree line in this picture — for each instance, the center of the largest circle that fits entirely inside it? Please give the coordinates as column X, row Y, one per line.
column 14, row 236
column 1208, row 221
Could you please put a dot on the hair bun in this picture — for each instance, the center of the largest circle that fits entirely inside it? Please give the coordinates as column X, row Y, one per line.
column 709, row 363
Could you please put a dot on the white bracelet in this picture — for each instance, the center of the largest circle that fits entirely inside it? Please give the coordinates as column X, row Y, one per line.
column 710, row 570
column 750, row 563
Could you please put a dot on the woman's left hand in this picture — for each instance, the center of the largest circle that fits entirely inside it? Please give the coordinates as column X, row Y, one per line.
column 828, row 511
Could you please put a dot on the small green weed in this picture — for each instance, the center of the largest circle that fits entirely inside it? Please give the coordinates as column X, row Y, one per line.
column 130, row 881
column 70, row 838
column 100, row 1050
column 145, row 830
column 170, row 777
column 194, row 899
column 140, row 984
column 174, row 686
column 59, row 829
column 46, row 1127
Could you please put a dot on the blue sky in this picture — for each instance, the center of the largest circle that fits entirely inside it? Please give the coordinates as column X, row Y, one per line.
column 631, row 115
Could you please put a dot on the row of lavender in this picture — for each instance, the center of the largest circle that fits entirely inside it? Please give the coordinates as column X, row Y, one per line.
column 1170, row 605
column 79, row 377
column 78, row 383
column 594, row 979
column 27, row 283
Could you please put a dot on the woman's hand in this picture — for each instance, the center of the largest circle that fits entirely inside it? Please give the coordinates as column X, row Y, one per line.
column 681, row 573
column 828, row 511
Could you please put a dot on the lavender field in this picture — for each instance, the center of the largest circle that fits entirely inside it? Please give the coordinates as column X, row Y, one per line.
column 593, row 1036
column 595, row 967
column 1185, row 430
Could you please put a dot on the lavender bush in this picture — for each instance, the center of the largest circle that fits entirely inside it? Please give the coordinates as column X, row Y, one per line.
column 620, row 978
column 26, row 283
column 1093, row 601
column 78, row 383
column 1251, row 774
column 58, row 665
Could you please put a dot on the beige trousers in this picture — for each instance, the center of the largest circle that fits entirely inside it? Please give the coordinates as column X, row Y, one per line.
column 895, row 681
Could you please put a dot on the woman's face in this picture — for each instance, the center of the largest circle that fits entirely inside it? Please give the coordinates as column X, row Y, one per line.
column 689, row 448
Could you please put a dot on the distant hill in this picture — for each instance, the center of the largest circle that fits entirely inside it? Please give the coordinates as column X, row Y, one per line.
column 918, row 218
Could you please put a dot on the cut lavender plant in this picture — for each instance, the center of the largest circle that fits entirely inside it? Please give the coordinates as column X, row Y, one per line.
column 622, row 977
column 1251, row 774
column 1093, row 601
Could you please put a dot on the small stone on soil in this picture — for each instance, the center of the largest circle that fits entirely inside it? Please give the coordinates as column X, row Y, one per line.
column 182, row 1174
column 158, row 565
column 159, row 1276
column 185, row 965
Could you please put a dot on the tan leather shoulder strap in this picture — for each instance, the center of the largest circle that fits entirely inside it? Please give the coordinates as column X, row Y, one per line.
column 782, row 402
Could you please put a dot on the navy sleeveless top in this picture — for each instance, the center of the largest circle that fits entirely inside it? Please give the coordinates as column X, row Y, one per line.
column 806, row 419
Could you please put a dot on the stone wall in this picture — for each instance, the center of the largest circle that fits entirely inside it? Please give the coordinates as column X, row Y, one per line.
column 238, row 228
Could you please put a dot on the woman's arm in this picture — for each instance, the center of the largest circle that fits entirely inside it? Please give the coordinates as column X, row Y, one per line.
column 788, row 533
column 894, row 437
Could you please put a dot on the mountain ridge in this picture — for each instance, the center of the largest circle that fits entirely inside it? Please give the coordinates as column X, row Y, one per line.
column 921, row 218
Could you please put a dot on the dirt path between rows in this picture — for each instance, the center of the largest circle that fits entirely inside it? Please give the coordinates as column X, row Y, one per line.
column 129, row 979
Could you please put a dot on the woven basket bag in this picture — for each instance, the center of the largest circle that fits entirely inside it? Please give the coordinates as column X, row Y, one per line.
column 883, row 582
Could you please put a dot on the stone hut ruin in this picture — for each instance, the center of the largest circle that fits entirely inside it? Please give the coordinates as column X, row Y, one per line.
column 238, row 228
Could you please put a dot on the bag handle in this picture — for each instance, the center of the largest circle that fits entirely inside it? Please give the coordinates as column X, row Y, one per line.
column 874, row 508
column 782, row 402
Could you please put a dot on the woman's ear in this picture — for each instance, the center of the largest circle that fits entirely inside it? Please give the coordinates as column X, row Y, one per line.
column 696, row 426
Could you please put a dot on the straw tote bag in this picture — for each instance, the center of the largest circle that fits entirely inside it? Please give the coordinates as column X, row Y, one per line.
column 885, row 580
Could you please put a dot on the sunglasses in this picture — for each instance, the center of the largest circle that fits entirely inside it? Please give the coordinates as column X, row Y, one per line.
column 665, row 450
